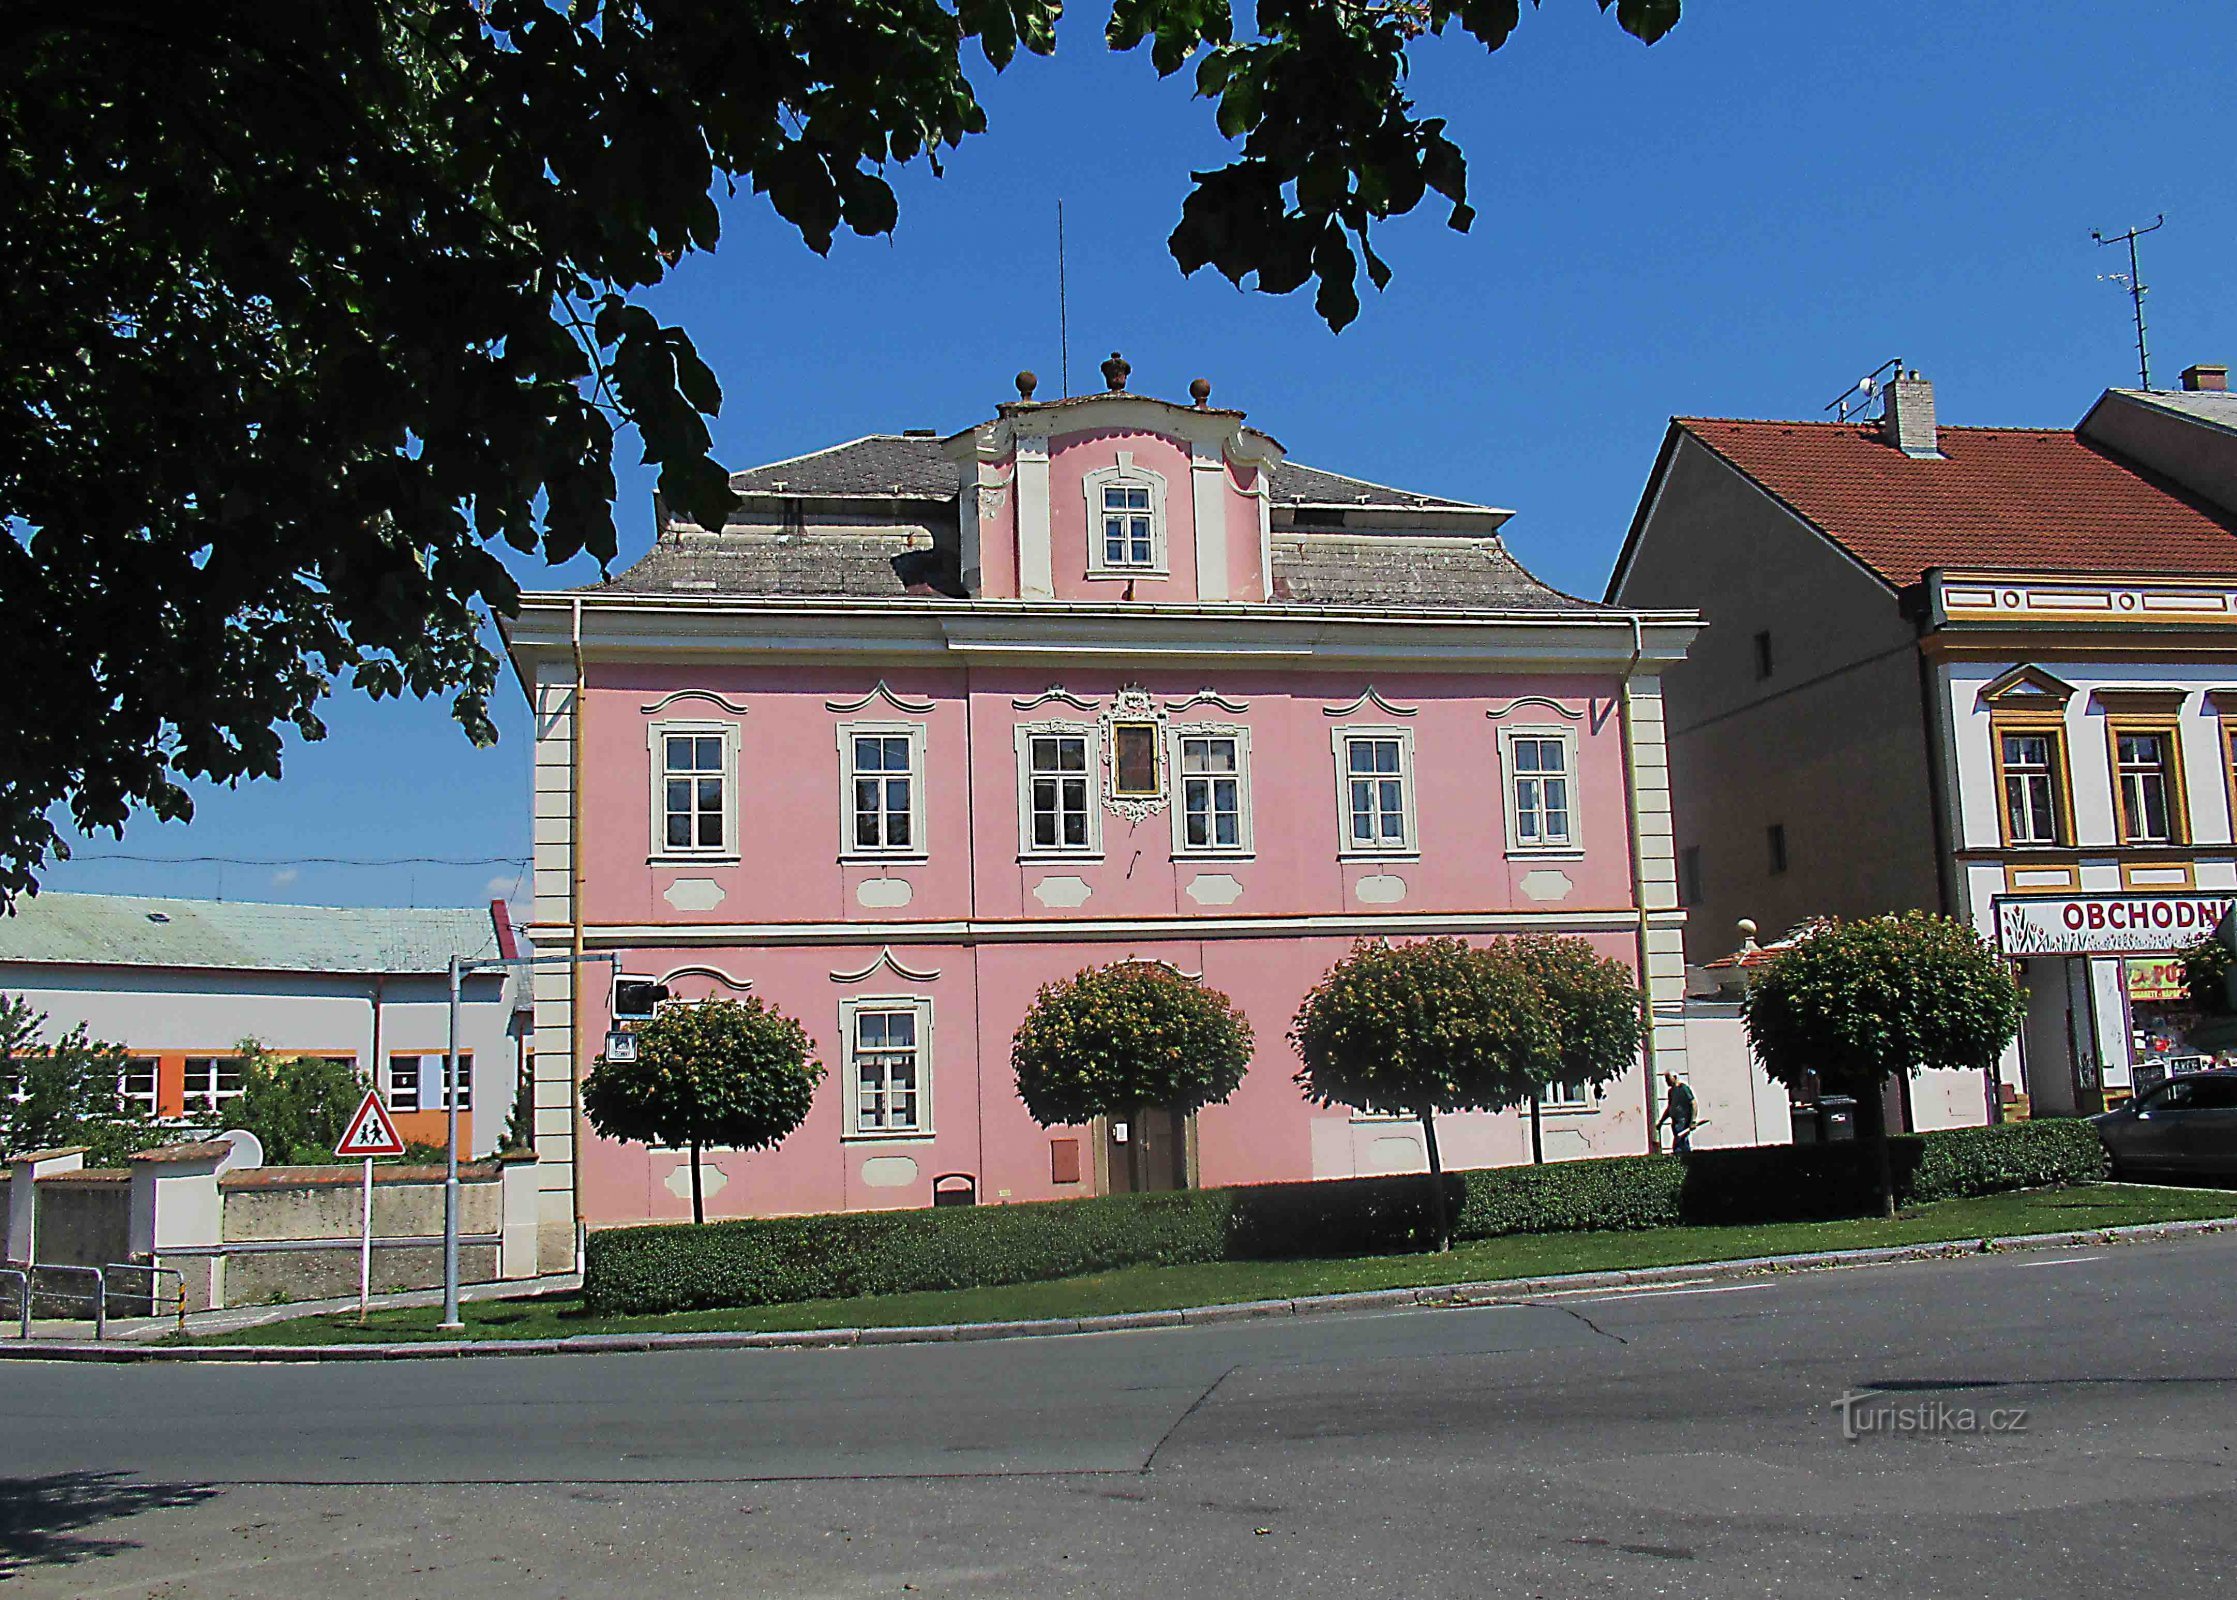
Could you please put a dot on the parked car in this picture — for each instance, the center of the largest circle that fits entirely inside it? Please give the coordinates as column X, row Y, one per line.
column 2186, row 1126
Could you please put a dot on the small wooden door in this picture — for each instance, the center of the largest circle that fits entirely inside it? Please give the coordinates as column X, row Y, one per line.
column 1147, row 1152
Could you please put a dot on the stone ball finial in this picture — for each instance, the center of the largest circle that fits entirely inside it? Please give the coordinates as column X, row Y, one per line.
column 1201, row 391
column 1027, row 383
column 1115, row 372
column 1746, row 925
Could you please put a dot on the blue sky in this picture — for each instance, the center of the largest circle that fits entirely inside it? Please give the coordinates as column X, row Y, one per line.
column 1740, row 220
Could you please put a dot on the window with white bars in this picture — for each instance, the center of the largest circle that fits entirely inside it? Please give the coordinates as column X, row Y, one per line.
column 1126, row 531
column 1541, row 788
column 211, row 1081
column 1058, row 796
column 415, row 1082
column 1566, row 1094
column 889, row 1066
column 2030, row 758
column 136, row 1083
column 882, row 788
column 1213, row 817
column 1375, row 779
column 694, row 790
column 2148, row 785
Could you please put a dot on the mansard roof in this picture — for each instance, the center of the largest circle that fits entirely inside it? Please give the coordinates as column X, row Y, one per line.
column 875, row 518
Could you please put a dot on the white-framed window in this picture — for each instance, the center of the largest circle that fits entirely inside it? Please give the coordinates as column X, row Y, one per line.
column 1541, row 788
column 1212, row 790
column 1059, row 799
column 881, row 800
column 415, row 1083
column 1375, row 790
column 1125, row 520
column 1566, row 1094
column 211, row 1081
column 136, row 1083
column 889, row 1066
column 694, row 790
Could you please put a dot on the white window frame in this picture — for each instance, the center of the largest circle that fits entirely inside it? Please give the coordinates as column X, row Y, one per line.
column 1573, row 845
column 212, row 1101
column 852, row 1131
column 849, row 849
column 1175, row 736
column 1554, row 1097
column 656, row 752
column 1348, row 848
column 1125, row 473
column 1092, row 733
column 428, row 1078
column 154, row 1068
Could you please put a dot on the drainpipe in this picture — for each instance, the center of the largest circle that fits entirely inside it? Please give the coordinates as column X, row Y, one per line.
column 575, row 877
column 1639, row 884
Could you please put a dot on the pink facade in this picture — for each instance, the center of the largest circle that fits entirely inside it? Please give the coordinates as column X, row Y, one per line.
column 893, row 755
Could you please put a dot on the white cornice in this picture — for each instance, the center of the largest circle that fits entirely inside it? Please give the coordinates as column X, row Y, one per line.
column 886, row 959
column 1183, row 637
column 914, row 708
column 657, row 935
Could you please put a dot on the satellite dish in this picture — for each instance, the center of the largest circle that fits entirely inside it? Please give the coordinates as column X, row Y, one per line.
column 248, row 1150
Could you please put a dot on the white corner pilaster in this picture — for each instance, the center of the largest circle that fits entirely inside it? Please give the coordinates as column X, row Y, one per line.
column 1036, row 555
column 1208, row 505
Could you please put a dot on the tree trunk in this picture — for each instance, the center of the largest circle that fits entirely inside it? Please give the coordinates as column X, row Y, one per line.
column 1871, row 1106
column 1537, row 1136
column 1438, row 1223
column 698, row 1202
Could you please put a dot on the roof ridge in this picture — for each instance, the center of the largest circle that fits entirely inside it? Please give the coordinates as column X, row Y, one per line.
column 1872, row 426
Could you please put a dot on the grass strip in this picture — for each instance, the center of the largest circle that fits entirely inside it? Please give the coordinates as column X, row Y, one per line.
column 1215, row 1283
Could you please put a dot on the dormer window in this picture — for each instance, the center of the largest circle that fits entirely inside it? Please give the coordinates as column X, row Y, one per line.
column 1125, row 521
column 1127, row 537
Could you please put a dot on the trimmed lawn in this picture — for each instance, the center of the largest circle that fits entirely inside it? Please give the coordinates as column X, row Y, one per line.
column 1164, row 1288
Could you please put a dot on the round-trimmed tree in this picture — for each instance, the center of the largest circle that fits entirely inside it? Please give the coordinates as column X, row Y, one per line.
column 732, row 1074
column 1415, row 1029
column 1110, row 1041
column 1861, row 1002
column 1597, row 1005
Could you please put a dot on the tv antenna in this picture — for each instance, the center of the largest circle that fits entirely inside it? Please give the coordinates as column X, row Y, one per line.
column 1063, row 328
column 1861, row 393
column 2133, row 282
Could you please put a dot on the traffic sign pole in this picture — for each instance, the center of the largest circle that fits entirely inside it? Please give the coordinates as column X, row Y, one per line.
column 451, row 1322
column 365, row 1249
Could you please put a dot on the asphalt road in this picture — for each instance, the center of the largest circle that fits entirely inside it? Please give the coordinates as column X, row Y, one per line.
column 1682, row 1440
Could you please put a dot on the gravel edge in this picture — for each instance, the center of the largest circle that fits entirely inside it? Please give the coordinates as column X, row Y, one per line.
column 1502, row 1291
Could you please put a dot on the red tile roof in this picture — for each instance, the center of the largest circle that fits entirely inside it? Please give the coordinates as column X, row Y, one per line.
column 2014, row 499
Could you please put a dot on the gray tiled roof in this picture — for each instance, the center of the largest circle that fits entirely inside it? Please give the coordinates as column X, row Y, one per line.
column 114, row 930
column 878, row 552
column 1454, row 574
column 2215, row 406
column 884, row 464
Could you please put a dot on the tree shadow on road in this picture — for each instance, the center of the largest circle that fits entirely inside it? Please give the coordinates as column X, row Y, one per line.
column 44, row 1522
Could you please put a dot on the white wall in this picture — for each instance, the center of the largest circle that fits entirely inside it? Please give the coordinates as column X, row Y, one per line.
column 152, row 1009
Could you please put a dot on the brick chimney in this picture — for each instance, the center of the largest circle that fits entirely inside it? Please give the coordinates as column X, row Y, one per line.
column 1907, row 422
column 2206, row 379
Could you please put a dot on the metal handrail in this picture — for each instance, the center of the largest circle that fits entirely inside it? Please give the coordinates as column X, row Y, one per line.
column 154, row 1272
column 23, row 1295
column 99, row 1297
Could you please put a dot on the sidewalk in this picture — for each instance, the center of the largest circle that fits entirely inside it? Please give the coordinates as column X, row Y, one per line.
column 235, row 1318
column 1510, row 1291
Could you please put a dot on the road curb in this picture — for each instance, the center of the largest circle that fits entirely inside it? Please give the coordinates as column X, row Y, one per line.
column 1499, row 1291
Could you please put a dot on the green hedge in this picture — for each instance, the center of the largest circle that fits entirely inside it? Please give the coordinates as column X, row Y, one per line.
column 765, row 1261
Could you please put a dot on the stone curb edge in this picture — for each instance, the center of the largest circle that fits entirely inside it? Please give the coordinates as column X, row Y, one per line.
column 1502, row 1291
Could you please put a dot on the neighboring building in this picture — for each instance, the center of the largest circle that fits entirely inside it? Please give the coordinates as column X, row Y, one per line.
column 932, row 722
column 182, row 983
column 1988, row 671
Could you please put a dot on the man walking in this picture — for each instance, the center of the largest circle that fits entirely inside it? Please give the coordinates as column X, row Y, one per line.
column 1678, row 1110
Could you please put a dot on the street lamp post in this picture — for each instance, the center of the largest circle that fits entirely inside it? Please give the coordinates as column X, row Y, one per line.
column 459, row 967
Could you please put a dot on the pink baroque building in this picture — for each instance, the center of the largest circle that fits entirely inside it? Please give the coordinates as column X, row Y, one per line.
column 932, row 722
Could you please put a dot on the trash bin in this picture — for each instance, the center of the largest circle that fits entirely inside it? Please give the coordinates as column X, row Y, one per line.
column 1837, row 1117
column 1805, row 1116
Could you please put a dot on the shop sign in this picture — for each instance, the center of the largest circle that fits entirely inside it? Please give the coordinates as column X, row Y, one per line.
column 2104, row 924
column 2155, row 978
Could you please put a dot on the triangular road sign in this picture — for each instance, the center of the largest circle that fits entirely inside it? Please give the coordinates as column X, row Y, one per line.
column 371, row 1132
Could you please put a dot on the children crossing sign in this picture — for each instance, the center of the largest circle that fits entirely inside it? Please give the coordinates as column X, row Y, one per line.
column 371, row 1132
